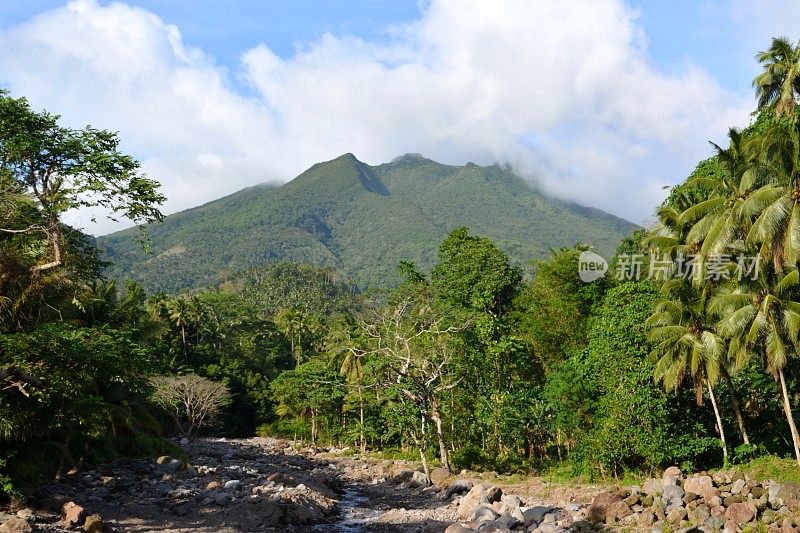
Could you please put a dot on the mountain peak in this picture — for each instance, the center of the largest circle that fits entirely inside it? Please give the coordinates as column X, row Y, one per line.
column 361, row 220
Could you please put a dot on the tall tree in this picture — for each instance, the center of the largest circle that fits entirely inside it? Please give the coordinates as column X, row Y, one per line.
column 778, row 84
column 762, row 319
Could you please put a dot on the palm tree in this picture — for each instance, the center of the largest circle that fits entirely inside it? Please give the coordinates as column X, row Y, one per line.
column 762, row 318
column 685, row 344
column 180, row 313
column 344, row 343
column 723, row 219
column 293, row 322
column 779, row 83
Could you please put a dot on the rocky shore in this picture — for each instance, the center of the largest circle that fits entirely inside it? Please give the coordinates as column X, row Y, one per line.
column 263, row 484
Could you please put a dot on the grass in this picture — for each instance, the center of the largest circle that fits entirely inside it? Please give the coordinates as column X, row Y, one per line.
column 782, row 470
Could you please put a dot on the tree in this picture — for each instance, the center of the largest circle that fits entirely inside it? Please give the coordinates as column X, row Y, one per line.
column 779, row 83
column 685, row 344
column 59, row 169
column 193, row 401
column 294, row 323
column 419, row 349
column 761, row 318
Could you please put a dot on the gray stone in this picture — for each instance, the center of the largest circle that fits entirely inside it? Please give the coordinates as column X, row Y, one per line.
column 772, row 495
column 673, row 497
column 457, row 528
column 220, row 498
column 508, row 521
column 652, row 487
column 419, row 479
column 737, row 486
column 484, row 513
column 459, row 486
column 233, row 485
column 535, row 515
column 184, row 441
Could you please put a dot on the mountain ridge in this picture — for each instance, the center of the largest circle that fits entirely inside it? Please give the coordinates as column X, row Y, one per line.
column 360, row 220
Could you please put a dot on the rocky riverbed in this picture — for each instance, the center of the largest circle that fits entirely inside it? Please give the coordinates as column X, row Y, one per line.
column 263, row 484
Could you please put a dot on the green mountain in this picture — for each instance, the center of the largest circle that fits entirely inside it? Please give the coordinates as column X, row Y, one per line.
column 360, row 220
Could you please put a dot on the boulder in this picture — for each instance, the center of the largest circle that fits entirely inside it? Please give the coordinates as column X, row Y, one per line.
column 698, row 484
column 535, row 515
column 673, row 497
column 737, row 486
column 94, row 524
column 484, row 513
column 459, row 486
column 439, row 476
column 419, row 480
column 493, row 494
column 457, row 528
column 652, row 487
column 508, row 521
column 676, row 515
column 16, row 525
column 470, row 501
column 741, row 513
column 598, row 510
column 618, row 510
column 233, row 485
column 72, row 514
column 790, row 494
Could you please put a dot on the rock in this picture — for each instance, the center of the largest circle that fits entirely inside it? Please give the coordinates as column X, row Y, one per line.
column 699, row 514
column 470, row 501
column 26, row 514
column 737, row 486
column 790, row 494
column 94, row 524
column 459, row 486
column 741, row 513
column 508, row 521
column 598, row 510
column 652, row 487
column 439, row 476
column 618, row 510
column 493, row 494
column 233, row 485
column 731, row 527
column 714, row 523
column 731, row 500
column 698, row 484
column 535, row 515
column 646, row 518
column 772, row 495
column 213, row 485
column 632, row 500
column 220, row 498
column 676, row 515
column 16, row 525
column 419, row 479
column 163, row 460
column 72, row 514
column 673, row 497
column 184, row 441
column 457, row 528
column 757, row 492
column 672, row 472
column 484, row 513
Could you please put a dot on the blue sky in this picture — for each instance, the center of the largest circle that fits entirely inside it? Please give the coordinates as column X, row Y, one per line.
column 603, row 102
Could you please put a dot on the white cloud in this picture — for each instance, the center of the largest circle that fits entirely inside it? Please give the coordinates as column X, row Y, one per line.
column 562, row 90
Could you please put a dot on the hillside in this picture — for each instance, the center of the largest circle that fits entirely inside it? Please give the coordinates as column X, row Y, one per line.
column 359, row 219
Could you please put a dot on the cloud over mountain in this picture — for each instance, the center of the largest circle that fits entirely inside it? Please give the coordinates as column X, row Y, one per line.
column 563, row 91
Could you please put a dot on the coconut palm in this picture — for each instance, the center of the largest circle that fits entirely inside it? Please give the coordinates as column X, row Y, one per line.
column 345, row 344
column 779, row 83
column 293, row 323
column 685, row 344
column 761, row 319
